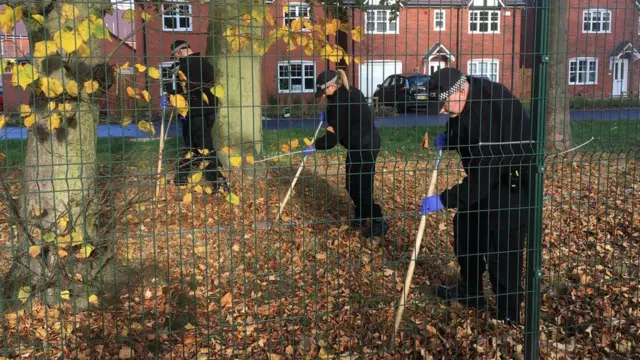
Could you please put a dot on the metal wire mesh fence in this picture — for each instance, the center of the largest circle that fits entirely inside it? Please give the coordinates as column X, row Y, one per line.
column 250, row 179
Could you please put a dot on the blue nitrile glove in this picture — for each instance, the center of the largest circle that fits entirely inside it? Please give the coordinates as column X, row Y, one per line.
column 431, row 204
column 440, row 141
column 182, row 118
column 323, row 118
column 308, row 151
column 164, row 102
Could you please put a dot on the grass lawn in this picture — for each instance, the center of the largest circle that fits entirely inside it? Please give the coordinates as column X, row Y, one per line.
column 609, row 137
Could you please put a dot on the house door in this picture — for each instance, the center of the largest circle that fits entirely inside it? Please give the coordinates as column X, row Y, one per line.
column 435, row 66
column 620, row 76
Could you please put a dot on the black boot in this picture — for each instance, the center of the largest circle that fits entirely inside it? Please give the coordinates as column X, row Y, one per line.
column 379, row 227
column 460, row 294
column 221, row 185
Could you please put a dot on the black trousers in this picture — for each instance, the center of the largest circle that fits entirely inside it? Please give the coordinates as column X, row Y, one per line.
column 196, row 132
column 478, row 245
column 361, row 167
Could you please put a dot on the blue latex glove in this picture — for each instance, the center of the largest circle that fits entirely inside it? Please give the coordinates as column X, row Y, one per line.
column 440, row 141
column 308, row 151
column 182, row 118
column 323, row 118
column 164, row 102
column 431, row 204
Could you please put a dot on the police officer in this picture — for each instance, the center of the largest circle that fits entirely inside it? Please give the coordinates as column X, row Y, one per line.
column 196, row 128
column 351, row 125
column 494, row 136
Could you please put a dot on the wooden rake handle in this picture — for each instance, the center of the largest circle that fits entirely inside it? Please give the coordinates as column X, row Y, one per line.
column 295, row 179
column 416, row 250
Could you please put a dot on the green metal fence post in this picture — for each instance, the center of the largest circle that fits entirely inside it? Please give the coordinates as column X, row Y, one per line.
column 534, row 240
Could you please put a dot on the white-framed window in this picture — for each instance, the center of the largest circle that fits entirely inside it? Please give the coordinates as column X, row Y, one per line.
column 638, row 25
column 378, row 22
column 295, row 11
column 595, row 21
column 484, row 21
column 168, row 77
column 296, row 76
column 177, row 16
column 583, row 71
column 439, row 22
column 484, row 67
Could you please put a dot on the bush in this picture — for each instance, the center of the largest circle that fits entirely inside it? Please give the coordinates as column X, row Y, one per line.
column 591, row 103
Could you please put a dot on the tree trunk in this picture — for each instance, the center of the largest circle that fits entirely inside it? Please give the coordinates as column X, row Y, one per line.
column 239, row 119
column 558, row 127
column 59, row 176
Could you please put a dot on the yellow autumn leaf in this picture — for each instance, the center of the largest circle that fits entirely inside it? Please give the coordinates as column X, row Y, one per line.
column 25, row 110
column 203, row 151
column 140, row 67
column 195, row 177
column 54, row 122
column 64, row 294
column 147, row 127
column 294, row 144
column 62, row 253
column 52, row 105
column 3, row 121
column 153, row 73
column 72, row 88
column 357, row 34
column 250, row 159
column 129, row 15
column 64, row 107
column 51, row 87
column 268, row 16
column 67, row 40
column 34, row 250
column 205, row 98
column 76, row 238
column 235, row 161
column 179, row 102
column 64, row 241
column 131, row 92
column 23, row 75
column 124, row 66
column 9, row 17
column 285, row 8
column 4, row 63
column 24, row 293
column 307, row 141
column 145, row 95
column 91, row 86
column 218, row 91
column 93, row 299
column 83, row 51
column 68, row 12
column 296, row 25
column 83, row 30
column 182, row 76
column 208, row 190
column 145, row 16
column 62, row 223
column 186, row 199
column 226, row 150
column 44, row 48
column 232, row 199
column 246, row 19
column 29, row 120
column 85, row 251
column 38, row 18
column 356, row 59
column 285, row 148
column 125, row 121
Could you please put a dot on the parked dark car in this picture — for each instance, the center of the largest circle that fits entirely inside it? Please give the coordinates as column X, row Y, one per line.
column 404, row 92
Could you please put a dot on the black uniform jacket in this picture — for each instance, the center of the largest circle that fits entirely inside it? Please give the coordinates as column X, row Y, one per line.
column 348, row 113
column 200, row 79
column 493, row 136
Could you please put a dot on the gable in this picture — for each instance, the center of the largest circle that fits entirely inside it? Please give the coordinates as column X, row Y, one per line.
column 486, row 3
column 453, row 3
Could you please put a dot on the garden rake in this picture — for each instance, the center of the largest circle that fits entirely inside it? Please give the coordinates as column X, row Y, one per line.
column 414, row 256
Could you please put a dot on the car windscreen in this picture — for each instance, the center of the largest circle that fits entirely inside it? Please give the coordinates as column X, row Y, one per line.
column 417, row 80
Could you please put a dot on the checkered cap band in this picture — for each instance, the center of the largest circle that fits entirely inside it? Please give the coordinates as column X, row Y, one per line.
column 324, row 86
column 445, row 94
column 180, row 47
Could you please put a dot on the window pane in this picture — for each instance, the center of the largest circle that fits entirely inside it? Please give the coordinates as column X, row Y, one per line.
column 295, row 70
column 295, row 81
column 283, row 71
column 371, row 26
column 381, row 27
column 170, row 22
column 484, row 27
column 494, row 26
column 439, row 25
column 184, row 22
column 473, row 26
column 309, row 70
column 284, row 84
column 494, row 16
column 392, row 26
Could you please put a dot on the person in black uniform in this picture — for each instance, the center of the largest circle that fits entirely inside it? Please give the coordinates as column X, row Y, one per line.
column 196, row 128
column 494, row 136
column 351, row 125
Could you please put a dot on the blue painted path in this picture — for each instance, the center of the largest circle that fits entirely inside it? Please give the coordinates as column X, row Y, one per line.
column 406, row 120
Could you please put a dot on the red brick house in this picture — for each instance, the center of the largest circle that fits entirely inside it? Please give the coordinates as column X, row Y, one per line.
column 603, row 47
column 476, row 36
